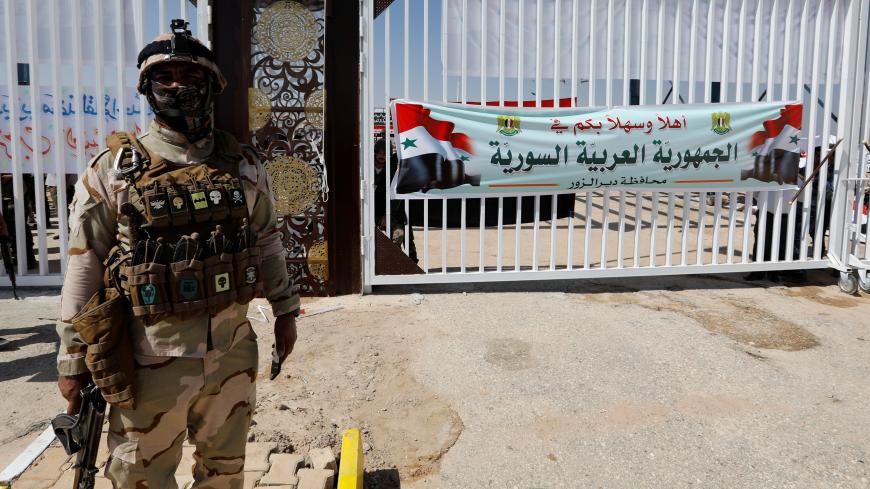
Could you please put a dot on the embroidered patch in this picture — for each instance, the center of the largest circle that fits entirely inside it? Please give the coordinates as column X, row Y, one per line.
column 148, row 293
column 188, row 287
column 222, row 282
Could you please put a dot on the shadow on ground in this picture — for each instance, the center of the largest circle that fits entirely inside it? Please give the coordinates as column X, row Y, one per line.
column 383, row 479
column 617, row 285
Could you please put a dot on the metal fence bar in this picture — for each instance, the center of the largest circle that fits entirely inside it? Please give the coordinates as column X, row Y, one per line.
column 501, row 100
column 638, row 227
column 608, row 70
column 587, row 235
column 761, row 220
column 120, row 43
column 78, row 93
column 644, row 16
column 443, row 235
column 770, row 95
column 38, row 170
column 605, row 226
column 574, row 15
column 708, row 65
column 163, row 14
column 732, row 226
column 826, row 133
column 620, row 245
column 425, row 99
column 702, row 218
column 182, row 9
column 140, row 41
column 592, row 75
column 57, row 122
column 406, row 34
column 660, row 54
column 653, row 226
column 388, row 222
column 518, row 229
column 483, row 102
column 692, row 48
column 626, row 53
column 670, row 232
column 864, row 158
column 717, row 222
column 786, row 89
column 15, row 133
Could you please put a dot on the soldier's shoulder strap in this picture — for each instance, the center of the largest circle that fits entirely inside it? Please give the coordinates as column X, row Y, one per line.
column 130, row 157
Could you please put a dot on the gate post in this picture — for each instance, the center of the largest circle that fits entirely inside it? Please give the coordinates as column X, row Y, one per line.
column 847, row 164
column 342, row 144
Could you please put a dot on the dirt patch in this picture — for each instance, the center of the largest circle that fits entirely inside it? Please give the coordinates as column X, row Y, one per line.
column 737, row 319
column 350, row 371
column 509, row 354
column 818, row 295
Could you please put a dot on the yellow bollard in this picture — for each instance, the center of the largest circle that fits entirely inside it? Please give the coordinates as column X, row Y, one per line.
column 350, row 469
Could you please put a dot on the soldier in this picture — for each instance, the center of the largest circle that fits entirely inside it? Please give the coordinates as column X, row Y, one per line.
column 184, row 221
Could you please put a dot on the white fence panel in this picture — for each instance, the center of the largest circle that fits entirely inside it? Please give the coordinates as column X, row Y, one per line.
column 67, row 80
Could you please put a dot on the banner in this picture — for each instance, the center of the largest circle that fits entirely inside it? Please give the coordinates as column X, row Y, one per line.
column 88, row 105
column 455, row 150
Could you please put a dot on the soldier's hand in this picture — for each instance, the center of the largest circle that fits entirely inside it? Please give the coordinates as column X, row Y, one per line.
column 285, row 335
column 71, row 390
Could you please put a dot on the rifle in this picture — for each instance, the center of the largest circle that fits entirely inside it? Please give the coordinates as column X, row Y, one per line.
column 81, row 435
column 6, row 254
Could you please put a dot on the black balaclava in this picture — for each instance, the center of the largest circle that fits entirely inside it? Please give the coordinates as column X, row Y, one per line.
column 186, row 108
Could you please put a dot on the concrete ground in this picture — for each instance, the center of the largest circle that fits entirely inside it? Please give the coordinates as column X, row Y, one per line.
column 674, row 382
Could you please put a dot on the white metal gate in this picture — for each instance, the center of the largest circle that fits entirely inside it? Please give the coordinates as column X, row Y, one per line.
column 621, row 52
column 67, row 79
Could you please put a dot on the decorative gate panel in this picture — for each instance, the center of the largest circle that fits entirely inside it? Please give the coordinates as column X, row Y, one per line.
column 286, row 116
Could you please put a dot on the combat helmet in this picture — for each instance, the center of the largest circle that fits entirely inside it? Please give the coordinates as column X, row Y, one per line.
column 177, row 45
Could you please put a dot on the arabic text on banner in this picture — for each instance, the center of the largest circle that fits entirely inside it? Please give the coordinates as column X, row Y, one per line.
column 453, row 150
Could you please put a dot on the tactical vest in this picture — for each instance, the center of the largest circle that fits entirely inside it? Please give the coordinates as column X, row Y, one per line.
column 191, row 250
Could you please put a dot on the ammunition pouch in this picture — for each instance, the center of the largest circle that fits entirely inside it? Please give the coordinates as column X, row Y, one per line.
column 220, row 282
column 147, row 286
column 104, row 325
column 248, row 281
column 186, row 286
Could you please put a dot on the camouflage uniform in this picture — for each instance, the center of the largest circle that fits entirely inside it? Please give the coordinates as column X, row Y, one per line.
column 194, row 377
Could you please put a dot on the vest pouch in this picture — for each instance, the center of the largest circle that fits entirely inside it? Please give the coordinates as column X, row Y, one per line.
column 236, row 198
column 103, row 324
column 219, row 282
column 199, row 203
column 179, row 206
column 156, row 203
column 217, row 202
column 147, row 285
column 186, row 286
column 249, row 283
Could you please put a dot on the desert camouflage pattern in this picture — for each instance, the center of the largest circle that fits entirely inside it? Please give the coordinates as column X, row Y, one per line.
column 193, row 377
column 209, row 399
column 96, row 224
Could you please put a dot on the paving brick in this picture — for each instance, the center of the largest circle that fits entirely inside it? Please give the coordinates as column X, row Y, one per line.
column 48, row 466
column 65, row 481
column 283, row 469
column 316, row 479
column 320, row 458
column 34, row 483
column 251, row 479
column 257, row 456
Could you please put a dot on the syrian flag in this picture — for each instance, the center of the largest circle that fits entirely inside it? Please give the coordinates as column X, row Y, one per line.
column 430, row 154
column 777, row 149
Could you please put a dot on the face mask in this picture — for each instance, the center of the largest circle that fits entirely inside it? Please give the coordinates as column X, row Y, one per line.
column 185, row 108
